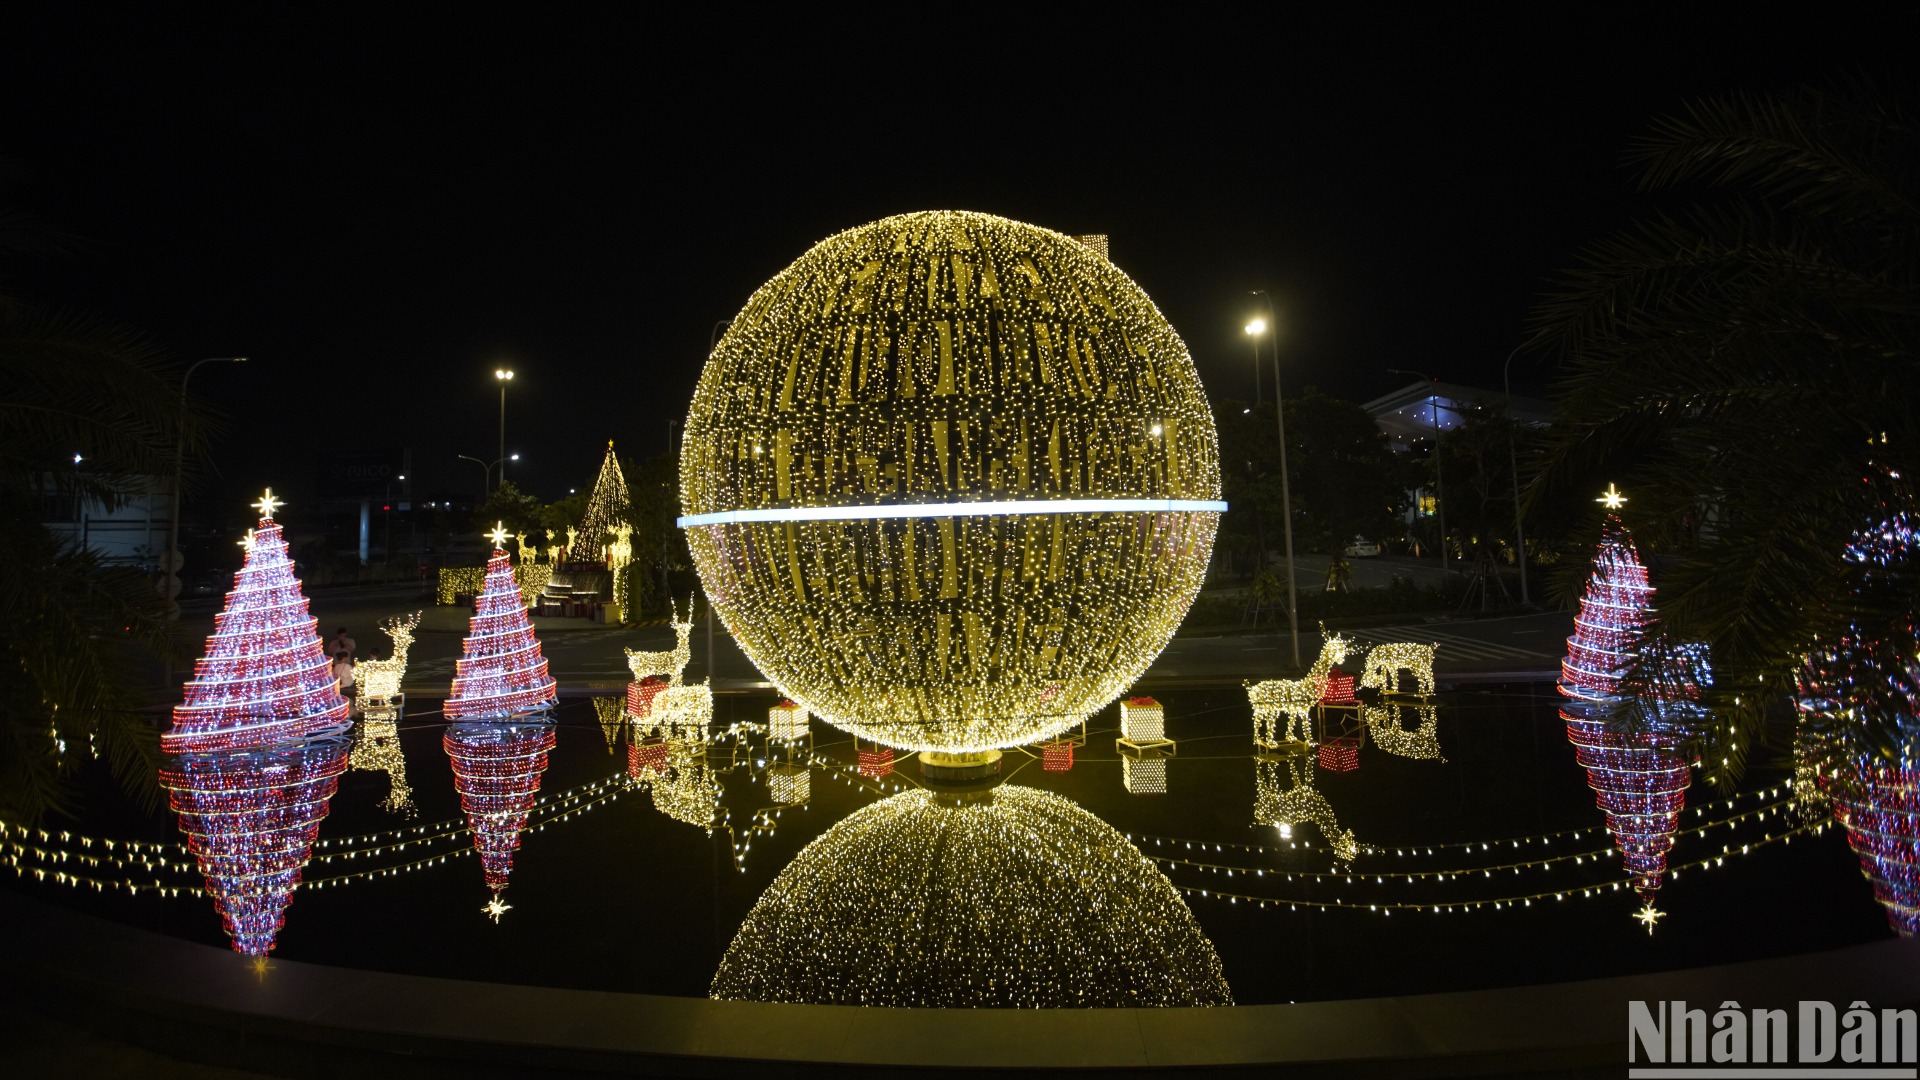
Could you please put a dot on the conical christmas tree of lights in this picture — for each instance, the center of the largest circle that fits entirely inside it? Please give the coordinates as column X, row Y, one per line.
column 250, row 819
column 1862, row 679
column 1639, row 780
column 500, row 673
column 606, row 510
column 265, row 678
column 501, row 733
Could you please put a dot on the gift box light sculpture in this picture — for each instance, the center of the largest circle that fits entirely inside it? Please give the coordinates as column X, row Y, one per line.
column 951, row 481
column 1009, row 898
column 250, row 819
column 787, row 723
column 265, row 678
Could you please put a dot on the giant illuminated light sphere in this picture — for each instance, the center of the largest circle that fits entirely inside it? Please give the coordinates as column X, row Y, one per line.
column 951, row 481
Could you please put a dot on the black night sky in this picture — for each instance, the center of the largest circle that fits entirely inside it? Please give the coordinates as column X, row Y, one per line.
column 379, row 205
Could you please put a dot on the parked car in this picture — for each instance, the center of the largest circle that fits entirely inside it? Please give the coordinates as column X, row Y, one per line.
column 1362, row 548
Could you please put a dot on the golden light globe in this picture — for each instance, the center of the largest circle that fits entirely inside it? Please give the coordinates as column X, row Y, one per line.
column 951, row 481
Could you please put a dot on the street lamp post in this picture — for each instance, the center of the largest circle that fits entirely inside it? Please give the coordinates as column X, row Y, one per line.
column 1286, row 492
column 1439, row 480
column 169, row 580
column 386, row 528
column 1513, row 467
column 486, row 467
column 504, row 376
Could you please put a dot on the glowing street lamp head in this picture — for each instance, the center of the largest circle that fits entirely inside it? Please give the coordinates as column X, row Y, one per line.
column 951, row 481
column 1257, row 327
column 503, row 374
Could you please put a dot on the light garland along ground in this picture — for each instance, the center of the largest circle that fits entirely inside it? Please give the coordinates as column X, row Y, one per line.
column 1499, row 903
column 20, row 854
column 1779, row 791
column 1597, row 855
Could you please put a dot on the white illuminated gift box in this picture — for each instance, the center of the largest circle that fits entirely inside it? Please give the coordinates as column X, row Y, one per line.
column 787, row 722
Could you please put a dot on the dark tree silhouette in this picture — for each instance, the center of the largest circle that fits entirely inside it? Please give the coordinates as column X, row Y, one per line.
column 1743, row 364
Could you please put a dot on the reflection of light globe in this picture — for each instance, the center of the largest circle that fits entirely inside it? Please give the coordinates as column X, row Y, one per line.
column 1012, row 898
column 951, row 481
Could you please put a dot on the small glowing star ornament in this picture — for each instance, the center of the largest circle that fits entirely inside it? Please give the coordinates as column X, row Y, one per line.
column 1649, row 915
column 246, row 542
column 496, row 907
column 267, row 505
column 1612, row 499
column 498, row 535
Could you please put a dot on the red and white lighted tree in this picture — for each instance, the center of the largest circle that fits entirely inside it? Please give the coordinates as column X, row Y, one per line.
column 265, row 678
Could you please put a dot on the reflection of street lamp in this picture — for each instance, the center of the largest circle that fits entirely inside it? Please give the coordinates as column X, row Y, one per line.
column 505, row 376
column 1254, row 330
column 172, row 567
column 1439, row 481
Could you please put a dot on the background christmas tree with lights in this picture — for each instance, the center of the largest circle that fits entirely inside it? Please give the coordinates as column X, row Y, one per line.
column 1639, row 778
column 265, row 678
column 501, row 672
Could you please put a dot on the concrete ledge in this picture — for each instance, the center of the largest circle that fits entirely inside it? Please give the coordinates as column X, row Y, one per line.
column 295, row 1019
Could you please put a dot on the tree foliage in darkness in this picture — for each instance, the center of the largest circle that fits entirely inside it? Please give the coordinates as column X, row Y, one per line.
column 1743, row 365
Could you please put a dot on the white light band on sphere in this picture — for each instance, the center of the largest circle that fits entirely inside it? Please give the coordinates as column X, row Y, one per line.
column 948, row 510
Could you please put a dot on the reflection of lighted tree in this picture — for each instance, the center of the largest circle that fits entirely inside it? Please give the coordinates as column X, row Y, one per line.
column 1640, row 782
column 1005, row 898
column 1284, row 797
column 497, row 767
column 250, row 819
column 1881, row 812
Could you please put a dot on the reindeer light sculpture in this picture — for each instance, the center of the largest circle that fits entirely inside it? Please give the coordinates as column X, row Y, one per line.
column 671, row 664
column 1290, row 701
column 379, row 680
column 1386, row 662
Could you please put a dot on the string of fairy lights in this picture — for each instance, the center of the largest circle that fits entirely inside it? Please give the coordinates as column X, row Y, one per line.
column 1709, row 862
column 1586, row 856
column 21, row 850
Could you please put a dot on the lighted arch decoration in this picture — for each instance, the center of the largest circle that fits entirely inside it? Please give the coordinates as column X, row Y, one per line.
column 951, row 481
